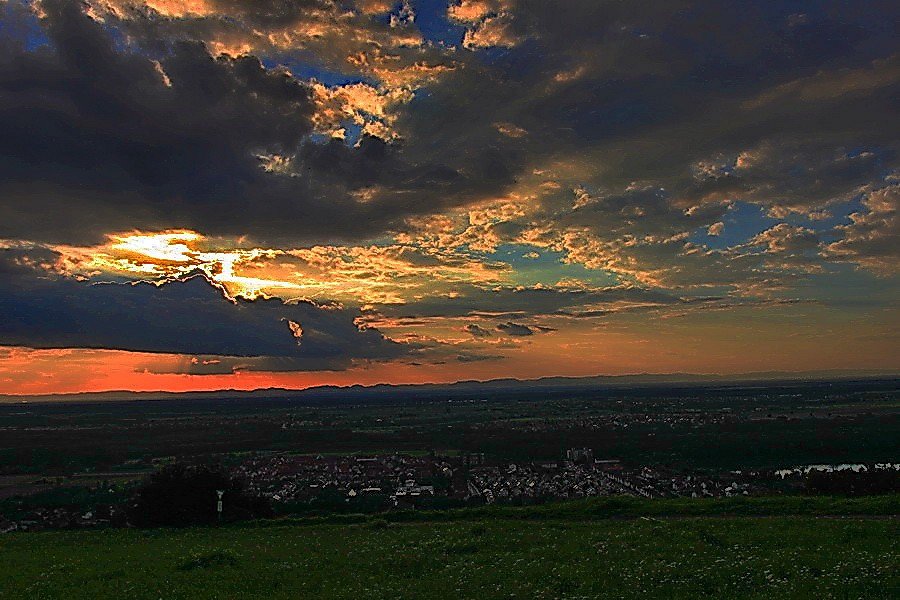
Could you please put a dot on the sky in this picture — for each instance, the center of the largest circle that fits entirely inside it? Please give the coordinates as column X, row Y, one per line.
column 240, row 194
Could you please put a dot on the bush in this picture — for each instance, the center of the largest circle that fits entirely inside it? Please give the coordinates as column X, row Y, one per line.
column 180, row 495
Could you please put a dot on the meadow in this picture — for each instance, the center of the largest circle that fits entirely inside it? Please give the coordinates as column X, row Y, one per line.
column 741, row 549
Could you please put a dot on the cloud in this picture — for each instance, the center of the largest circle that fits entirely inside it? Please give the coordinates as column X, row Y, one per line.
column 510, row 130
column 517, row 329
column 872, row 239
column 663, row 136
column 610, row 96
column 530, row 301
column 471, row 11
column 185, row 316
column 101, row 137
column 477, row 331
column 380, row 274
column 786, row 238
column 470, row 358
column 491, row 32
column 489, row 23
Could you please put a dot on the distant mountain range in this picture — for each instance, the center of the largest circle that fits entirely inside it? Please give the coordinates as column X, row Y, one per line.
column 473, row 386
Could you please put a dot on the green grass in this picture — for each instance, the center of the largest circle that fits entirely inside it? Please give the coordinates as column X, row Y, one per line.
column 554, row 551
column 558, row 551
column 626, row 507
column 735, row 558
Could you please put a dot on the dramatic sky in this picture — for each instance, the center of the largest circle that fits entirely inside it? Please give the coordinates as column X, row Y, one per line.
column 205, row 194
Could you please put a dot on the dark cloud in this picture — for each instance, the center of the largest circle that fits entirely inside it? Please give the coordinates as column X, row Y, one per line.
column 710, row 101
column 510, row 328
column 519, row 329
column 654, row 87
column 477, row 330
column 189, row 316
column 99, row 137
column 470, row 358
column 527, row 301
column 638, row 212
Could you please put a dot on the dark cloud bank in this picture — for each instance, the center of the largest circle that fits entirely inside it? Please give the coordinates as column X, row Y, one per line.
column 188, row 316
column 97, row 137
column 104, row 133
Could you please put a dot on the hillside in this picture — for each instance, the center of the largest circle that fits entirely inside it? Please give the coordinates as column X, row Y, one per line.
column 559, row 551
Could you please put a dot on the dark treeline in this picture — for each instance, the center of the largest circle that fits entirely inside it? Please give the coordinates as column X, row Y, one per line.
column 852, row 483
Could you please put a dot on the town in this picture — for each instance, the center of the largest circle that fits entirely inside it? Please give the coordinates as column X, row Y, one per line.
column 403, row 480
column 368, row 483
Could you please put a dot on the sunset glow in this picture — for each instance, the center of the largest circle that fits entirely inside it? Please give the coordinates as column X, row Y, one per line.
column 207, row 195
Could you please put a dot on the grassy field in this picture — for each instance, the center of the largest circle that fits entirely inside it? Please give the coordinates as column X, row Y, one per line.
column 561, row 551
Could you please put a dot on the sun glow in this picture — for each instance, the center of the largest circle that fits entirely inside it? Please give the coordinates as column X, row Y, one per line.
column 171, row 254
column 389, row 274
column 173, row 246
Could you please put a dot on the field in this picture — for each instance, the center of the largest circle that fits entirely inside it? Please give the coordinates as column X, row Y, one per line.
column 695, row 427
column 742, row 549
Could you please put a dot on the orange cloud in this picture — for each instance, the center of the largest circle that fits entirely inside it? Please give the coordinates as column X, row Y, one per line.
column 389, row 274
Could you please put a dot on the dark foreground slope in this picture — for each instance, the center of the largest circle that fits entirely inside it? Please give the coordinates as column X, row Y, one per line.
column 509, row 553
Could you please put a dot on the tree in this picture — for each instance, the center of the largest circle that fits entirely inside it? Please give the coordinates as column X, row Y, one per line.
column 180, row 495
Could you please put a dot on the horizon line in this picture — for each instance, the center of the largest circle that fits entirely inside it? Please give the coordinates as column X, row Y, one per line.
column 773, row 376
